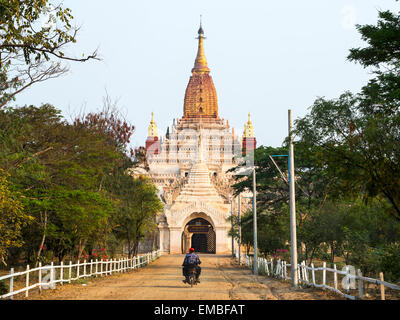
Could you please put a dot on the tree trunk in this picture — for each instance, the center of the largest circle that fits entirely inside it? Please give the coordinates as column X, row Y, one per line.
column 312, row 255
column 44, row 224
column 81, row 248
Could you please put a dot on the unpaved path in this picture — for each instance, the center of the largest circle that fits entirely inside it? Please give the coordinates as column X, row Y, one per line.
column 221, row 279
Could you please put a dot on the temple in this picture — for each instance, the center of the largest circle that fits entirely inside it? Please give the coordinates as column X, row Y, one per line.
column 189, row 166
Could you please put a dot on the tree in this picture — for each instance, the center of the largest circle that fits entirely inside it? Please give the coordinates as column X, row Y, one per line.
column 12, row 217
column 59, row 168
column 137, row 208
column 33, row 37
column 357, row 136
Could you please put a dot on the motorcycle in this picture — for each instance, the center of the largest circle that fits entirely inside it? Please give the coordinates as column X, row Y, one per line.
column 191, row 277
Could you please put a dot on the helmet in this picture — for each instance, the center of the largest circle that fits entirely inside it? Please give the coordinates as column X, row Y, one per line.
column 191, row 250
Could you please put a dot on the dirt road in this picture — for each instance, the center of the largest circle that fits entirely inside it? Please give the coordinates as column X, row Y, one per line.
column 221, row 279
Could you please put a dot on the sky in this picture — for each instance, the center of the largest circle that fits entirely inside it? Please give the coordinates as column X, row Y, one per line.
column 265, row 57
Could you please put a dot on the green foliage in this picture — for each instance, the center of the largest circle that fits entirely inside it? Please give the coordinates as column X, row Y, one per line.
column 4, row 288
column 137, row 208
column 12, row 217
column 72, row 180
column 33, row 38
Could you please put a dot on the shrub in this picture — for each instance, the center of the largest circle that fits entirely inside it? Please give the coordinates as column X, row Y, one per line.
column 4, row 288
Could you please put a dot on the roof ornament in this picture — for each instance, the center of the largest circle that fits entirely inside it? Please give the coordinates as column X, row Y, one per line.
column 201, row 31
column 200, row 64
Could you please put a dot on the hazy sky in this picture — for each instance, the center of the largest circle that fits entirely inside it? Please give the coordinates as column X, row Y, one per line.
column 265, row 57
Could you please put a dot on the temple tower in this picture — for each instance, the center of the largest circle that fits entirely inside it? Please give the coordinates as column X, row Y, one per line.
column 190, row 168
column 152, row 142
column 249, row 142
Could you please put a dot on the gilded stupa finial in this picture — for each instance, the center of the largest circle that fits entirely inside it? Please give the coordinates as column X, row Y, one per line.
column 201, row 31
column 200, row 65
column 152, row 130
column 248, row 129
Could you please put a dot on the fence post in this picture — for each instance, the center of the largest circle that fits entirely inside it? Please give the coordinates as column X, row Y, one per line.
column 272, row 267
column 313, row 273
column 306, row 272
column 360, row 285
column 299, row 273
column 40, row 277
column 278, row 267
column 62, row 273
column 27, row 281
column 11, row 282
column 348, row 280
column 382, row 286
column 91, row 267
column 70, row 271
column 52, row 276
column 284, row 270
column 77, row 270
column 101, row 267
column 324, row 275
column 335, row 277
column 84, row 269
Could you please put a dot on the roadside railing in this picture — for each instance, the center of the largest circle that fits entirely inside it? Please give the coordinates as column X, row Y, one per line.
column 50, row 275
column 307, row 275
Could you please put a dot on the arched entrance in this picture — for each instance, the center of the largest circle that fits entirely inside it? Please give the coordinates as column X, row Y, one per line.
column 200, row 235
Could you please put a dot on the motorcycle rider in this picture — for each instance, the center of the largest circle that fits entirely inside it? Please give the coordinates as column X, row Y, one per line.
column 191, row 260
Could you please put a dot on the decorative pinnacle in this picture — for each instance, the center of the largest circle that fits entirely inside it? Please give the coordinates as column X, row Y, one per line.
column 201, row 31
column 200, row 65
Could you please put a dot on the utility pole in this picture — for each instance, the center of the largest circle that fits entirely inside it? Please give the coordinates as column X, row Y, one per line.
column 240, row 229
column 292, row 205
column 255, row 264
column 233, row 250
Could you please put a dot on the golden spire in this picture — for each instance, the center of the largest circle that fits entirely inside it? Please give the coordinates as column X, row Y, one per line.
column 248, row 129
column 152, row 131
column 200, row 97
column 200, row 65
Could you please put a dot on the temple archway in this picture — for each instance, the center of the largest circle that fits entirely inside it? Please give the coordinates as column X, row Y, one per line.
column 200, row 235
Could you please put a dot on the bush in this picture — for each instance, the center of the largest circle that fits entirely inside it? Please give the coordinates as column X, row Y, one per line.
column 3, row 287
column 390, row 262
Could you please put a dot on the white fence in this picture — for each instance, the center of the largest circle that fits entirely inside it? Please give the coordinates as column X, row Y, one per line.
column 350, row 280
column 70, row 272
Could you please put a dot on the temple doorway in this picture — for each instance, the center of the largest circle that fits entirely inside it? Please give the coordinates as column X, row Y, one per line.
column 200, row 235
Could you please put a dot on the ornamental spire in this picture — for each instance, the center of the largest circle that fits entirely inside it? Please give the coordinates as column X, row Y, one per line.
column 152, row 130
column 248, row 129
column 200, row 65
